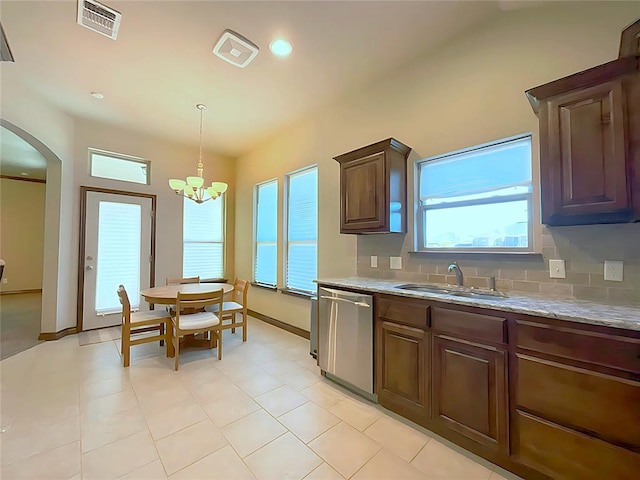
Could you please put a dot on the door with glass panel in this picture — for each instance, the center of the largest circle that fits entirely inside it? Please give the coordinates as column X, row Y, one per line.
column 117, row 251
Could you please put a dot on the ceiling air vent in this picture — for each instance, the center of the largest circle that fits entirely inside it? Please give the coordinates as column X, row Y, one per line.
column 235, row 49
column 99, row 18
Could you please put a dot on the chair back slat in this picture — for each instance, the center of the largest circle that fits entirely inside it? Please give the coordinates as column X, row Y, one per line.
column 240, row 289
column 183, row 280
column 198, row 300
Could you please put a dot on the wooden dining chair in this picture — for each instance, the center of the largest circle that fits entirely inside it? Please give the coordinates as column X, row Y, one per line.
column 183, row 280
column 179, row 281
column 237, row 305
column 198, row 322
column 142, row 322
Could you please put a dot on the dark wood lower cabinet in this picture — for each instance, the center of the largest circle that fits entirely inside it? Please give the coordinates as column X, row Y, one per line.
column 543, row 398
column 586, row 401
column 470, row 390
column 402, row 369
column 562, row 453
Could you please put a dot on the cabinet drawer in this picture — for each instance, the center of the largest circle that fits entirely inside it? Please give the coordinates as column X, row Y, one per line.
column 467, row 324
column 592, row 347
column 562, row 453
column 408, row 313
column 606, row 406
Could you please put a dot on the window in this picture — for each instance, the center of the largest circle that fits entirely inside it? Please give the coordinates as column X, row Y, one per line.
column 478, row 199
column 119, row 167
column 203, row 239
column 301, row 265
column 266, row 233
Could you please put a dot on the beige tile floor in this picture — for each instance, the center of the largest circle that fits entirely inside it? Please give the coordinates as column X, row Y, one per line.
column 264, row 411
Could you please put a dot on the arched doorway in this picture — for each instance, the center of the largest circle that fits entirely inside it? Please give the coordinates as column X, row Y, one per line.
column 51, row 228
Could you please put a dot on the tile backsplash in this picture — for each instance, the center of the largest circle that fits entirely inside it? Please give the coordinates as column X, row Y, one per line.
column 583, row 248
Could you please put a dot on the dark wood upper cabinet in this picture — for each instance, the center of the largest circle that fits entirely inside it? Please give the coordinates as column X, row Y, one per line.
column 373, row 188
column 630, row 40
column 590, row 145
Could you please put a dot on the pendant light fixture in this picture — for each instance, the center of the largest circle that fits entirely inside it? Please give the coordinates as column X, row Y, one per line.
column 193, row 188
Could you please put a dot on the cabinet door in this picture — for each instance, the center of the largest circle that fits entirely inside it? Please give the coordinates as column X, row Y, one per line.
column 363, row 195
column 584, row 174
column 564, row 454
column 402, row 370
column 470, row 390
column 567, row 395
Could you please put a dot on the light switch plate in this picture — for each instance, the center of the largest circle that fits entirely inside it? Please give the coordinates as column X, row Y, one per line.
column 374, row 261
column 556, row 269
column 395, row 263
column 613, row 270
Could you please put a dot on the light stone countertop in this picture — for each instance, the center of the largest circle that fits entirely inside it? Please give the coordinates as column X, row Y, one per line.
column 617, row 316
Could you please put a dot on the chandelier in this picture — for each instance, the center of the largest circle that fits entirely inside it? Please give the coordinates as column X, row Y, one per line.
column 193, row 188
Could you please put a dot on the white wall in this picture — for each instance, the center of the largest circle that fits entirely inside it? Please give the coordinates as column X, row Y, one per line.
column 168, row 160
column 469, row 92
column 64, row 142
column 51, row 133
column 22, row 233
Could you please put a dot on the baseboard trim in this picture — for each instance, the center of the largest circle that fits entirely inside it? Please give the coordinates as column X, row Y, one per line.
column 18, row 292
column 277, row 323
column 58, row 335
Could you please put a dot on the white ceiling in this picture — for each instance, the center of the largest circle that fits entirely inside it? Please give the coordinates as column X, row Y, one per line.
column 18, row 158
column 161, row 65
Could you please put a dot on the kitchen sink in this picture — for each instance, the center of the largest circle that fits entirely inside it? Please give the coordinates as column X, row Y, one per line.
column 453, row 290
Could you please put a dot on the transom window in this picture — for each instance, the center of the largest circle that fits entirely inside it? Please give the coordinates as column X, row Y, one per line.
column 116, row 166
column 301, row 262
column 479, row 199
column 266, row 233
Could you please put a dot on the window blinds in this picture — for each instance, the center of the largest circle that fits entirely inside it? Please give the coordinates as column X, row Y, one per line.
column 302, row 230
column 203, row 239
column 480, row 171
column 119, row 229
column 266, row 234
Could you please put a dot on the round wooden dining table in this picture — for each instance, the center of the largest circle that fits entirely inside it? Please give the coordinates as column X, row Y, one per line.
column 167, row 295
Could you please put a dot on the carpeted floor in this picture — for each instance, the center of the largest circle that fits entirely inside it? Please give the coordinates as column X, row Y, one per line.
column 20, row 316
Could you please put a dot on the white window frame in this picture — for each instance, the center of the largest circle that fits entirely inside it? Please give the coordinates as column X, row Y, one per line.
column 285, row 237
column 119, row 156
column 221, row 198
column 421, row 209
column 256, row 191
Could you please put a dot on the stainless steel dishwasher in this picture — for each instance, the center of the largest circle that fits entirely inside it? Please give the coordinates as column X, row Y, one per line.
column 345, row 339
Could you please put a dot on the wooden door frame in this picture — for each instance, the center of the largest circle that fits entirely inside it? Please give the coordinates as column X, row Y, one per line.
column 84, row 190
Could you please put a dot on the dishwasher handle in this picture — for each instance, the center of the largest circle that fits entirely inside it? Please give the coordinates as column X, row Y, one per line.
column 338, row 299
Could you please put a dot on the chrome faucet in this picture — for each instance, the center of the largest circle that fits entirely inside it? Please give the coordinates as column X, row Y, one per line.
column 459, row 276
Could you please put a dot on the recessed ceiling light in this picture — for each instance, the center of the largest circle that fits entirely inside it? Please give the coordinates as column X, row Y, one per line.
column 281, row 48
column 97, row 95
column 24, row 174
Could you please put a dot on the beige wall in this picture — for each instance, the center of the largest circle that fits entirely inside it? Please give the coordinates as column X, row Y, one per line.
column 467, row 93
column 22, row 233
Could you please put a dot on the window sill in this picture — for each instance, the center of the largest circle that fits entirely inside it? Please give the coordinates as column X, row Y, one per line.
column 296, row 293
column 265, row 286
column 525, row 256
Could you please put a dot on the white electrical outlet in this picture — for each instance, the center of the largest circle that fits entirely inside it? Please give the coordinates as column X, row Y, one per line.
column 556, row 269
column 613, row 270
column 374, row 261
column 5, row 280
column 395, row 263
